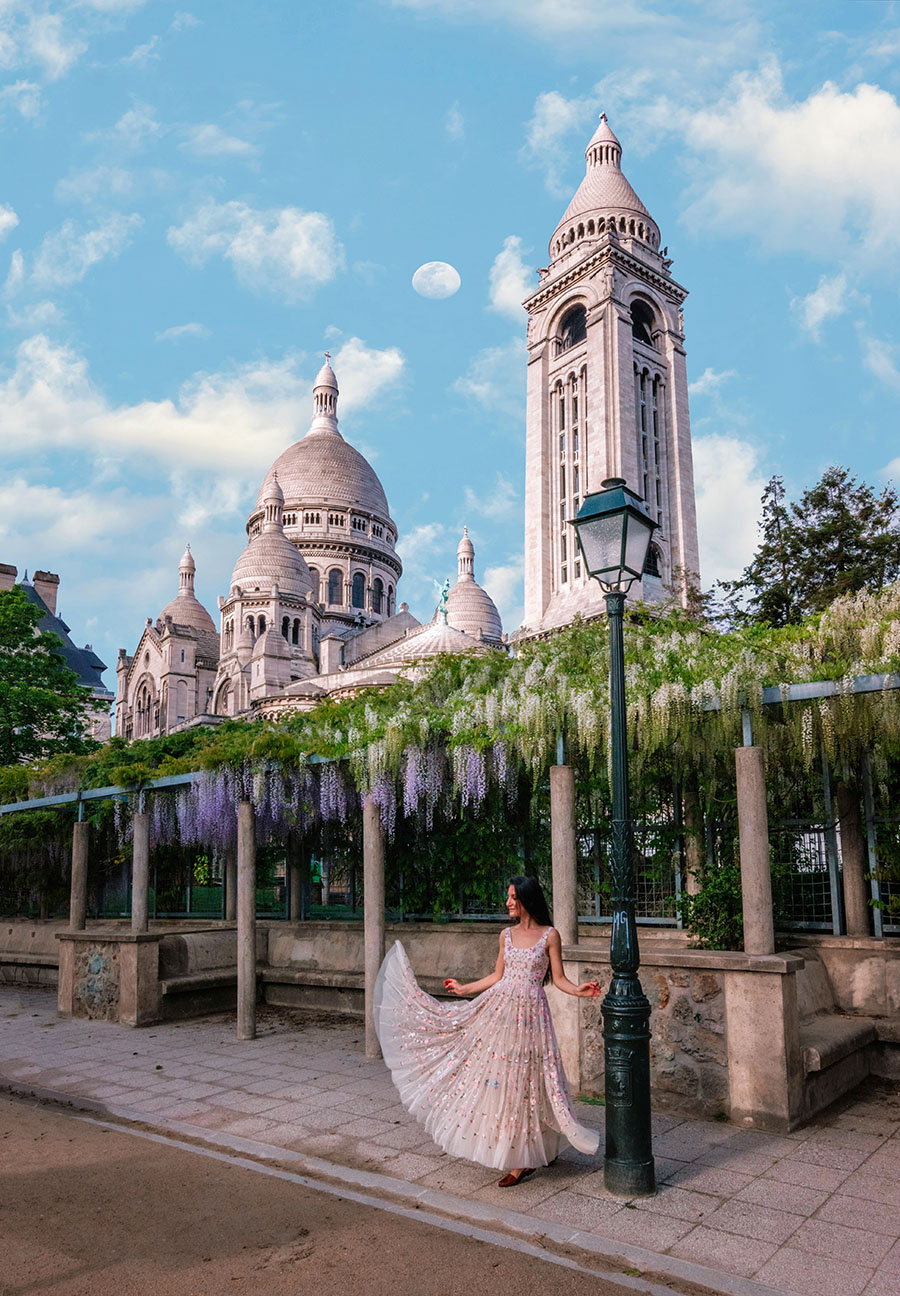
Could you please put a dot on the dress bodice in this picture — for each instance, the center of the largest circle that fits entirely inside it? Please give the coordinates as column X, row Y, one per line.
column 526, row 967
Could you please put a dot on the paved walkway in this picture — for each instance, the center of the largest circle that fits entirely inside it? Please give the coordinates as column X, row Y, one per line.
column 813, row 1213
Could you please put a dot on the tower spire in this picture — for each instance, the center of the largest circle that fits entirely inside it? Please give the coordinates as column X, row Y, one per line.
column 186, row 569
column 465, row 555
column 325, row 398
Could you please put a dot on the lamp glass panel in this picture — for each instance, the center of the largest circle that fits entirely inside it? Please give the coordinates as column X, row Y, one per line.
column 601, row 542
column 637, row 542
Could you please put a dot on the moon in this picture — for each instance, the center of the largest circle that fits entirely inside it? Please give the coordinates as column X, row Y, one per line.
column 436, row 279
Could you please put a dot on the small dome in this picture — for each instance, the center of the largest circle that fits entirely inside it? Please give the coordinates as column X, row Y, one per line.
column 185, row 608
column 326, row 376
column 271, row 492
column 465, row 547
column 270, row 557
column 187, row 561
column 471, row 609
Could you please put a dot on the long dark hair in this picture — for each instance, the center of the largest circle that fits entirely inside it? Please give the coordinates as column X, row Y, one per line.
column 530, row 896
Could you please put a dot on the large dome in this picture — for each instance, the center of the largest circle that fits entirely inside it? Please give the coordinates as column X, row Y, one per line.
column 471, row 609
column 324, row 469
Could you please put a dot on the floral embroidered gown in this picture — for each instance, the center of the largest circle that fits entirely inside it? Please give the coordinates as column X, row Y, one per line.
column 484, row 1076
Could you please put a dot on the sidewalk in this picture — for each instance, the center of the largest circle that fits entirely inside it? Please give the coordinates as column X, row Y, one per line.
column 813, row 1213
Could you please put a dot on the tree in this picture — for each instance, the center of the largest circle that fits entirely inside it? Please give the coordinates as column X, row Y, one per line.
column 43, row 708
column 840, row 537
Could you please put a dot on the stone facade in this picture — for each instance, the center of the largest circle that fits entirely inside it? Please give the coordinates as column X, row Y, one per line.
column 606, row 393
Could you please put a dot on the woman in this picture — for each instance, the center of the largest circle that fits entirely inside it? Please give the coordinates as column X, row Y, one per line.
column 485, row 1077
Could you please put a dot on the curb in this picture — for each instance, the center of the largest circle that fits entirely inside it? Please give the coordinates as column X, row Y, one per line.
column 409, row 1198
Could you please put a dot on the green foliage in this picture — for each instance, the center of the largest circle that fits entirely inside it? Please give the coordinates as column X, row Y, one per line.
column 43, row 708
column 713, row 916
column 840, row 537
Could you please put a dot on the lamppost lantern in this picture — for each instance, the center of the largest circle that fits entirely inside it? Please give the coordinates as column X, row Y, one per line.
column 614, row 529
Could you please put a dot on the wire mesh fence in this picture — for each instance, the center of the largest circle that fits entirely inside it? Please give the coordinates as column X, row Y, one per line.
column 806, row 875
column 658, row 876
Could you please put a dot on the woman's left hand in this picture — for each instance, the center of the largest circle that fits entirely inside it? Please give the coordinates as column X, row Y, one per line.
column 589, row 990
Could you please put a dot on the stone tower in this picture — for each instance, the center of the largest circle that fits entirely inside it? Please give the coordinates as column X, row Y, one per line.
column 607, row 392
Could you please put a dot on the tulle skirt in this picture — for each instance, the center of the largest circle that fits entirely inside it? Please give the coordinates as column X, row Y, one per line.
column 484, row 1076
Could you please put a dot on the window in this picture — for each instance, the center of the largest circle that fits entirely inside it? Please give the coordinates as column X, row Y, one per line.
column 562, row 511
column 562, row 479
column 643, row 323
column 390, row 600
column 563, row 575
column 251, row 627
column 262, row 624
column 562, row 409
column 377, row 594
column 651, row 562
column 574, row 401
column 575, row 485
column 358, row 595
column 575, row 442
column 562, row 445
column 335, row 594
column 295, row 633
column 285, row 627
column 562, row 547
column 572, row 329
column 182, row 654
column 577, row 570
column 315, row 593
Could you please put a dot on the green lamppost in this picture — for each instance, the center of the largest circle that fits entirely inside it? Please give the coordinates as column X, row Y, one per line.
column 614, row 531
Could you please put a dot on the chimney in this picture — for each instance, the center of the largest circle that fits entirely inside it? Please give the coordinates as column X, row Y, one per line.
column 47, row 585
column 7, row 576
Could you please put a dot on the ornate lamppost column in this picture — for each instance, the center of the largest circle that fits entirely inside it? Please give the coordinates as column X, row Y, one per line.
column 614, row 532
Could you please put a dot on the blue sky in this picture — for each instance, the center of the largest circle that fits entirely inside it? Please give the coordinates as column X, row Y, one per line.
column 196, row 199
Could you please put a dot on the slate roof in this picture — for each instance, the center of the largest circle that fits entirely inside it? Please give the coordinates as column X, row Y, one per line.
column 83, row 661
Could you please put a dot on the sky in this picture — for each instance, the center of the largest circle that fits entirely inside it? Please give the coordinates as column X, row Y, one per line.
column 198, row 198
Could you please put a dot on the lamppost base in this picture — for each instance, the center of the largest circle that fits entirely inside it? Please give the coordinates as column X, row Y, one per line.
column 630, row 1178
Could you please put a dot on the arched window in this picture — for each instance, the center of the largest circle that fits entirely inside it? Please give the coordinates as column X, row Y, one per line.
column 572, row 329
column 377, row 594
column 261, row 624
column 251, row 627
column 358, row 595
column 295, row 635
column 335, row 582
column 315, row 593
column 651, row 562
column 390, row 600
column 285, row 627
column 643, row 322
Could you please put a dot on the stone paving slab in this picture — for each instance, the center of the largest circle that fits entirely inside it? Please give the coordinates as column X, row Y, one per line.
column 817, row 1211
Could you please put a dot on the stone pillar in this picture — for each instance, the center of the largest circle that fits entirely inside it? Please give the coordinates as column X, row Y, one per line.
column 756, row 873
column 140, row 872
column 230, row 884
column 295, row 862
column 246, row 922
column 373, row 913
column 325, row 866
column 693, row 835
column 853, row 858
column 563, row 852
column 78, row 892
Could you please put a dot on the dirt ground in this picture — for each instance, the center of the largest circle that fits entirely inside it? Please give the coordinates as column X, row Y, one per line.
column 88, row 1211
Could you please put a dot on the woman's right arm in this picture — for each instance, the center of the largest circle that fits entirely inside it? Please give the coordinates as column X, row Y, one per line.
column 476, row 987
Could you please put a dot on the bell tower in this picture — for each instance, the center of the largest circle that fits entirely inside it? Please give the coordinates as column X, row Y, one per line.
column 607, row 393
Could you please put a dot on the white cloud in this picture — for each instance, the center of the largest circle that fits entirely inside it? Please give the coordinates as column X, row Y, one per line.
column 880, row 358
column 83, row 520
column 506, row 585
column 828, row 299
column 454, row 124
column 66, row 256
column 142, row 55
column 23, row 96
column 99, row 182
column 496, row 380
column 179, row 331
column 209, row 140
column 227, row 424
column 281, row 250
column 511, row 280
column 133, row 128
column 424, row 551
column 553, row 118
column 502, row 501
column 729, row 483
column 8, row 220
column 710, row 382
column 47, row 44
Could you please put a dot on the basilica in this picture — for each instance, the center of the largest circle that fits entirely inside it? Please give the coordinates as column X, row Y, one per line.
column 312, row 607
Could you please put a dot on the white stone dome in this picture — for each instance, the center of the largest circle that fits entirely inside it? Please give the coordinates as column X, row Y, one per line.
column 604, row 192
column 323, row 469
column 185, row 608
column 471, row 609
column 270, row 557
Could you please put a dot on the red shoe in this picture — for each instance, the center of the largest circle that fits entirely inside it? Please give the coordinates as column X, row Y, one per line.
column 510, row 1180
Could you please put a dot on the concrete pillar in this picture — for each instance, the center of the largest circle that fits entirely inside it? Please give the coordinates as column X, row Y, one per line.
column 853, row 858
column 693, row 835
column 140, row 872
column 246, row 922
column 230, row 884
column 373, row 913
column 78, row 892
column 563, row 852
column 296, row 881
column 756, row 873
column 325, row 866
